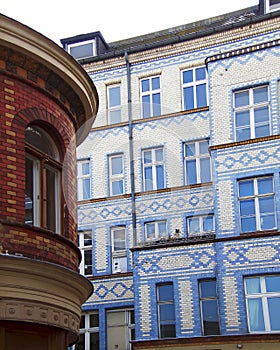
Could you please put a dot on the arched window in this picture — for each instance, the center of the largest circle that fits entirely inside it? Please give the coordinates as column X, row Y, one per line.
column 43, row 180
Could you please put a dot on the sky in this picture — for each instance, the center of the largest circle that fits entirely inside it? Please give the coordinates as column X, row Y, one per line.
column 116, row 20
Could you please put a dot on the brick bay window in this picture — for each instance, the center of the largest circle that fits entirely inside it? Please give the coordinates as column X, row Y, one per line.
column 263, row 303
column 150, row 97
column 209, row 307
column 166, row 310
column 153, row 169
column 194, row 84
column 257, row 204
column 251, row 113
column 43, row 180
column 197, row 162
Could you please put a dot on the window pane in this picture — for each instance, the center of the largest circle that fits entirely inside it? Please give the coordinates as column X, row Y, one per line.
column 268, row 222
column 272, row 284
column 85, row 168
column 203, row 147
column 94, row 320
column 81, row 343
column 260, row 94
column 168, row 331
column 155, row 83
column 94, row 341
column 159, row 155
column 243, row 134
column 265, row 185
column 116, row 165
column 201, row 95
column 147, row 157
column 205, row 173
column 210, row 317
column 261, row 114
column 115, row 116
column 266, row 205
column 190, row 149
column 256, row 319
column 119, row 239
column 241, row 98
column 247, row 207
column 200, row 73
column 146, row 106
column 262, row 131
column 246, row 188
column 160, row 177
column 253, row 285
column 188, row 76
column 86, row 188
column 165, row 292
column 117, row 187
column 248, row 224
column 145, row 85
column 156, row 105
column 29, row 195
column 242, row 118
column 208, row 289
column 193, row 225
column 188, row 98
column 162, row 229
column 148, row 179
column 87, row 239
column 273, row 308
column 166, row 313
column 191, row 172
column 88, row 262
column 208, row 224
column 114, row 96
column 150, row 230
column 51, row 199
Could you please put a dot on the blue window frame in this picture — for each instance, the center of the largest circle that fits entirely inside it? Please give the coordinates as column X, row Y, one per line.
column 257, row 204
column 194, row 83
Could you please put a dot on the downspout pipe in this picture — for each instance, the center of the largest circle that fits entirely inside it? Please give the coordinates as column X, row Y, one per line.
column 131, row 156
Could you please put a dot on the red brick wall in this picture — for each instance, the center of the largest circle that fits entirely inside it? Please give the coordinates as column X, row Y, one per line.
column 25, row 98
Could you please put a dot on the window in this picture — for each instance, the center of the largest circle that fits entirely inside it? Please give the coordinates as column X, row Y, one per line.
column 153, row 169
column 85, row 245
column 43, row 180
column 150, row 97
column 200, row 225
column 83, row 180
column 272, row 5
column 194, row 83
column 119, row 256
column 155, row 230
column 116, row 174
column 89, row 332
column 166, row 311
column 257, row 204
column 263, row 303
column 114, row 104
column 251, row 113
column 197, row 162
column 120, row 329
column 83, row 49
column 209, row 307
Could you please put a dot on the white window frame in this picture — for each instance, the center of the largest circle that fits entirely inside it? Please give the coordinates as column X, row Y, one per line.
column 113, row 109
column 81, row 178
column 150, row 93
column 119, row 256
column 154, row 163
column 81, row 43
column 256, row 198
column 129, row 325
column 83, row 248
column 194, row 84
column 263, row 295
column 197, row 157
column 271, row 8
column 88, row 330
column 119, row 177
column 156, row 226
column 200, row 221
column 251, row 107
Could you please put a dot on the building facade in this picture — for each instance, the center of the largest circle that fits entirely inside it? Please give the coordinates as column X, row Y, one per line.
column 46, row 98
column 178, row 186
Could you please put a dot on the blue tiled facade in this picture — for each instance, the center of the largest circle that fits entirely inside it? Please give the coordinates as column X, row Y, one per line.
column 239, row 58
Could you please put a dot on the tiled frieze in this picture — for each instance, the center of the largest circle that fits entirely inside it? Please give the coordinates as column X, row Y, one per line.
column 112, row 290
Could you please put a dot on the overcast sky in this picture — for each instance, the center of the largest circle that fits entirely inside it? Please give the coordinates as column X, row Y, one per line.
column 115, row 19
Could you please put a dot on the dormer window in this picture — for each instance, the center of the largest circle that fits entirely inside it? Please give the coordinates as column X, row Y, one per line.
column 272, row 5
column 82, row 50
